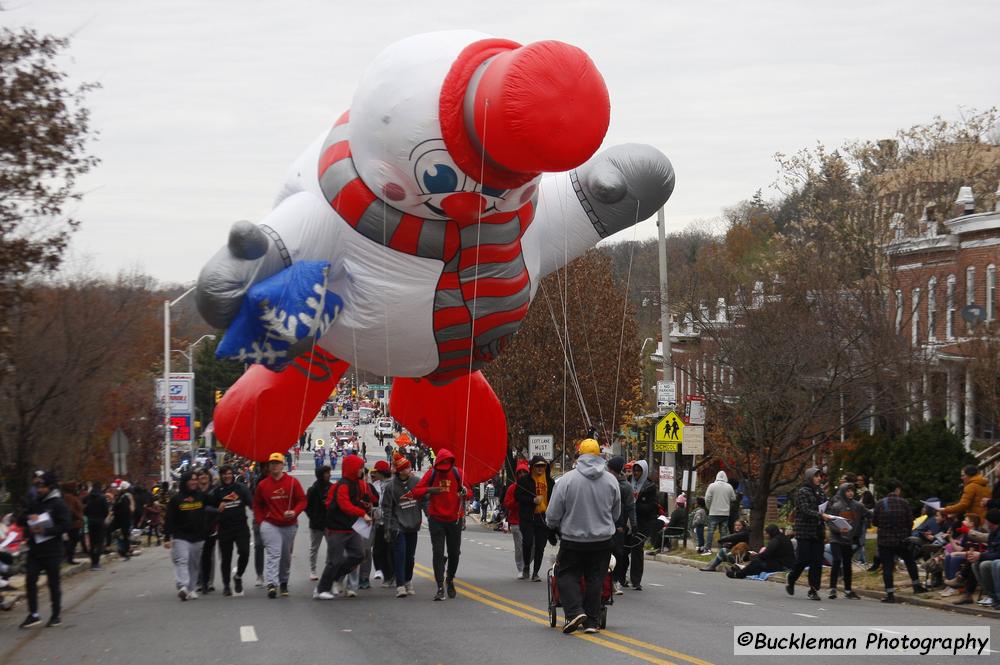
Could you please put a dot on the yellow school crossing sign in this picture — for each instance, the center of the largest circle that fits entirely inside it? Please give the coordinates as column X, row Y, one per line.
column 669, row 434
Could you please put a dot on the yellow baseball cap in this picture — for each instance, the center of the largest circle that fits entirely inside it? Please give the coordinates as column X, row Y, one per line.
column 276, row 457
column 589, row 447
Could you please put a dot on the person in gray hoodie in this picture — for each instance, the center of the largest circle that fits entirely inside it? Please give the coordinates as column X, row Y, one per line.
column 718, row 498
column 842, row 540
column 402, row 522
column 584, row 508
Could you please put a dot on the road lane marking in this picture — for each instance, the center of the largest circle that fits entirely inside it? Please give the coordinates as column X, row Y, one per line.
column 654, row 584
column 248, row 634
column 697, row 593
column 808, row 616
column 594, row 639
column 544, row 613
column 740, row 602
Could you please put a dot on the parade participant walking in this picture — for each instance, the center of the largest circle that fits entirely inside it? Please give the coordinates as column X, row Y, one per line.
column 808, row 534
column 95, row 510
column 345, row 506
column 894, row 520
column 647, row 511
column 514, row 517
column 232, row 500
column 121, row 524
column 73, row 503
column 206, row 581
column 584, row 509
column 532, row 494
column 382, row 558
column 278, row 500
column 47, row 518
column 184, row 531
column 447, row 491
column 626, row 521
column 316, row 512
column 403, row 518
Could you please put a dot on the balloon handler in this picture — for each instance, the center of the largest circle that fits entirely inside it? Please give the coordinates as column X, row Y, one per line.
column 410, row 237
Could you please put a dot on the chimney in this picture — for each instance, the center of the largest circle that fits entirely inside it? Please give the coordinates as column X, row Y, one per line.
column 928, row 223
column 720, row 310
column 897, row 225
column 965, row 203
column 703, row 313
column 688, row 324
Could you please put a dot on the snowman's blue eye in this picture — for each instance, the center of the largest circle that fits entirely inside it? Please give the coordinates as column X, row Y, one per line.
column 440, row 179
column 489, row 191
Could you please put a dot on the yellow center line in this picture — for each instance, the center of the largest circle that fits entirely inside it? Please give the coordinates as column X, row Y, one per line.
column 594, row 639
column 476, row 590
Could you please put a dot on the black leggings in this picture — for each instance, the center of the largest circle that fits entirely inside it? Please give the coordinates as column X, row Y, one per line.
column 808, row 554
column 226, row 541
column 96, row 530
column 842, row 555
column 534, row 534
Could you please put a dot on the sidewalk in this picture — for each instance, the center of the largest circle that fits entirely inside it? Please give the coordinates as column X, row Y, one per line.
column 903, row 593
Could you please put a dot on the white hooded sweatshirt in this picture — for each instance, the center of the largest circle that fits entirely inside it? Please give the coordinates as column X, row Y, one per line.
column 719, row 495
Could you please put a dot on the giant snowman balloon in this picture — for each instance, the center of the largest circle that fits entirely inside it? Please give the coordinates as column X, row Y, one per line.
column 463, row 173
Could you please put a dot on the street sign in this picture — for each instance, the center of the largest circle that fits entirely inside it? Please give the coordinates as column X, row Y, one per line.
column 694, row 440
column 669, row 433
column 119, row 452
column 665, row 395
column 181, row 392
column 667, row 479
column 541, row 444
column 379, row 386
column 694, row 410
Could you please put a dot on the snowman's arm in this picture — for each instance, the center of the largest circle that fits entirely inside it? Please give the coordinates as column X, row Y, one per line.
column 302, row 227
column 614, row 190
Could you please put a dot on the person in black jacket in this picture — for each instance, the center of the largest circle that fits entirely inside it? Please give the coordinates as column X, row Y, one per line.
column 95, row 511
column 532, row 496
column 184, row 532
column 809, row 533
column 206, row 580
column 894, row 520
column 46, row 519
column 647, row 511
column 778, row 555
column 231, row 500
column 316, row 512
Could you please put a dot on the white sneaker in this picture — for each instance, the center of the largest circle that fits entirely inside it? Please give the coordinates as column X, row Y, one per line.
column 260, row 582
column 182, row 593
column 351, row 593
column 618, row 589
column 986, row 601
column 401, row 592
column 313, row 576
column 322, row 595
column 409, row 589
column 337, row 589
column 949, row 592
column 377, row 575
column 192, row 595
column 388, row 584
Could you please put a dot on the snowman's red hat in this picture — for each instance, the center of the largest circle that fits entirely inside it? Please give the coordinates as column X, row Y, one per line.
column 512, row 112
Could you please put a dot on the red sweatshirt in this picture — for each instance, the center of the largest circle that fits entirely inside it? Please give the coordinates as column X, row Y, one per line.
column 352, row 464
column 273, row 497
column 447, row 506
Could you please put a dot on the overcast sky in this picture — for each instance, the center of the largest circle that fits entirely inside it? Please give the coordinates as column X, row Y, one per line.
column 204, row 104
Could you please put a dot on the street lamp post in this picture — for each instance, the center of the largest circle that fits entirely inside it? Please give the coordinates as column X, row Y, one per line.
column 167, row 434
column 191, row 350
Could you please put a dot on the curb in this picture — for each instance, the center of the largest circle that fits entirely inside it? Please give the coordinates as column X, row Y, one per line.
column 19, row 593
column 864, row 593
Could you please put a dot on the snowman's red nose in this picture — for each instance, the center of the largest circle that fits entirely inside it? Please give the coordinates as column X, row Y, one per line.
column 510, row 112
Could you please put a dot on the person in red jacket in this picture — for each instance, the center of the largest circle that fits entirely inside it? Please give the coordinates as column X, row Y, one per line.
column 514, row 519
column 445, row 508
column 346, row 502
column 277, row 502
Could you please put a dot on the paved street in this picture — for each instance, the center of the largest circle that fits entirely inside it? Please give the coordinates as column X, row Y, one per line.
column 129, row 614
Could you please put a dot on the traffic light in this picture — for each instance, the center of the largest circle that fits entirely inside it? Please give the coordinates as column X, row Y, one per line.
column 218, row 396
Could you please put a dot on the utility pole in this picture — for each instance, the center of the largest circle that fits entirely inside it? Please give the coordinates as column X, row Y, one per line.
column 668, row 459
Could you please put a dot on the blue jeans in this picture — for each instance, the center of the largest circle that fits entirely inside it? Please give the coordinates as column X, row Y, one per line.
column 699, row 532
column 404, row 547
column 721, row 521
